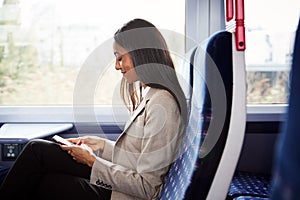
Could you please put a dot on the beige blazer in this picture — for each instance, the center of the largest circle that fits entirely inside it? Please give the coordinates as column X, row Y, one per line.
column 134, row 167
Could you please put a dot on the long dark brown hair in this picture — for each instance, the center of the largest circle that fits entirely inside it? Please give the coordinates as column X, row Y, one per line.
column 152, row 62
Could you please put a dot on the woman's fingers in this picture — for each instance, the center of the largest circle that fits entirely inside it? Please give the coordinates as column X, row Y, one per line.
column 73, row 150
column 69, row 149
column 74, row 140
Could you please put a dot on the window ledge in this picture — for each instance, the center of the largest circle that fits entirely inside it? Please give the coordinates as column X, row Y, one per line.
column 109, row 114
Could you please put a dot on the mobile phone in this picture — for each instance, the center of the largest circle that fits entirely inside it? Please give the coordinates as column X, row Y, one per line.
column 62, row 140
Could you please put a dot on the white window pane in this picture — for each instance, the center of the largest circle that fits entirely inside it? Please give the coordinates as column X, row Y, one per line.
column 44, row 43
column 270, row 30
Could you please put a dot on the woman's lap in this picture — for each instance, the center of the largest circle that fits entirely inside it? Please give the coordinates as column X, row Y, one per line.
column 44, row 168
column 62, row 186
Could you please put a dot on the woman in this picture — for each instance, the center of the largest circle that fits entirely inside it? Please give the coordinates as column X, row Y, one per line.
column 133, row 167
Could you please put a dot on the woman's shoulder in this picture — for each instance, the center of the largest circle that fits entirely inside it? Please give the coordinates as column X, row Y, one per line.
column 161, row 96
column 163, row 105
column 159, row 93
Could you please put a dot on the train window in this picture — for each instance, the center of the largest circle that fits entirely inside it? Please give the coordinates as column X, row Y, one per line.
column 270, row 30
column 44, row 43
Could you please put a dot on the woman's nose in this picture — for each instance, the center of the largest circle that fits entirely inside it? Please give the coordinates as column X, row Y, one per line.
column 118, row 66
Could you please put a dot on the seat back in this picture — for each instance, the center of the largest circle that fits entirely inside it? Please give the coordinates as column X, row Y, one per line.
column 286, row 179
column 216, row 109
column 193, row 174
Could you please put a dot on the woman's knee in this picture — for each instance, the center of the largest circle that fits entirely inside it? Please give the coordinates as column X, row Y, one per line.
column 39, row 143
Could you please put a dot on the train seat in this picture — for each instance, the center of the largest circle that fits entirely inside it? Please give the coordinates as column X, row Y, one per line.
column 249, row 185
column 286, row 179
column 215, row 132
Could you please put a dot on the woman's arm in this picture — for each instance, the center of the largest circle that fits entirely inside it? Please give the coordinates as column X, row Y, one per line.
column 107, row 150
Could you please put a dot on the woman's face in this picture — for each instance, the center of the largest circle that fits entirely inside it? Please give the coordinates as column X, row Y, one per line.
column 124, row 63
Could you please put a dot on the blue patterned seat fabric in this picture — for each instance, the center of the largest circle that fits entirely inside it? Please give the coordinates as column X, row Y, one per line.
column 181, row 172
column 246, row 185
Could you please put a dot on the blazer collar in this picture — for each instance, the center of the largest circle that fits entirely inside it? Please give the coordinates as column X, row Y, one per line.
column 140, row 108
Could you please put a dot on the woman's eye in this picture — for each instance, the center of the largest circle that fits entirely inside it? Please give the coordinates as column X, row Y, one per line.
column 119, row 59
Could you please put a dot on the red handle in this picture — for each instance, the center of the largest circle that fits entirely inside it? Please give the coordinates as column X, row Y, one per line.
column 240, row 28
column 229, row 10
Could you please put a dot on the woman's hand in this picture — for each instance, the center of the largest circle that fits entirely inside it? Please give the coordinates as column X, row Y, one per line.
column 80, row 154
column 94, row 142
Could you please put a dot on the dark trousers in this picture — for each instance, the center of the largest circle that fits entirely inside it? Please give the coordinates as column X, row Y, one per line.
column 44, row 171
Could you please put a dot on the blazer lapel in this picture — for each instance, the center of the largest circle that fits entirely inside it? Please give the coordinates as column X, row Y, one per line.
column 135, row 114
column 139, row 109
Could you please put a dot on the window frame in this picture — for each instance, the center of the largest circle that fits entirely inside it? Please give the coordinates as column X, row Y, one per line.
column 199, row 14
